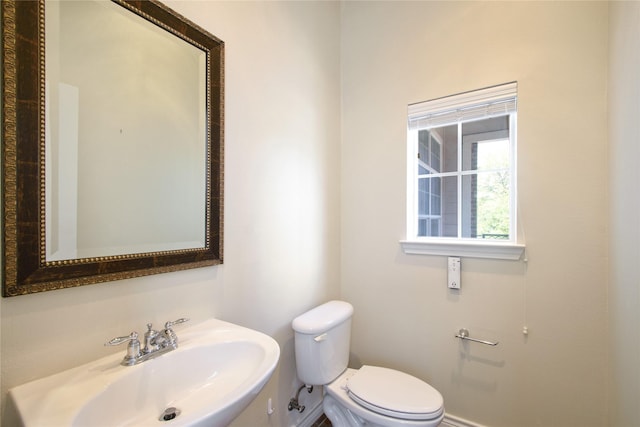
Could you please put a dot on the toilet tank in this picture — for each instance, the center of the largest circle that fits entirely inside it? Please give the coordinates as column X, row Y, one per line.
column 322, row 341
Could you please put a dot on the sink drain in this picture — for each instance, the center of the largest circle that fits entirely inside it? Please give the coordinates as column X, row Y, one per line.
column 169, row 414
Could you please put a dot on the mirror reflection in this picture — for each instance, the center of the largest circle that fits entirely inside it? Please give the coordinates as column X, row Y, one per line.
column 125, row 134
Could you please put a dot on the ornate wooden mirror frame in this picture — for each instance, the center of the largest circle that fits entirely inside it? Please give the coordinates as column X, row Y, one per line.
column 26, row 269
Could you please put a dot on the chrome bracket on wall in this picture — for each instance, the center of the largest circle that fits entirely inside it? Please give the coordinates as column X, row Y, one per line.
column 463, row 334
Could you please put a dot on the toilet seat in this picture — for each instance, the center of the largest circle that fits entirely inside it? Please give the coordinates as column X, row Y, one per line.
column 394, row 394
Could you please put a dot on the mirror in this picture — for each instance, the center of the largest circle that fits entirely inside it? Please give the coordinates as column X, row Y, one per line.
column 113, row 143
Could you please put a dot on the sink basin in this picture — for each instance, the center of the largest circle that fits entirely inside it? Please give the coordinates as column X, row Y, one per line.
column 214, row 374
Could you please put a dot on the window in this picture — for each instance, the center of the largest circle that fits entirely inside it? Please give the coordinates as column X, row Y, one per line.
column 461, row 169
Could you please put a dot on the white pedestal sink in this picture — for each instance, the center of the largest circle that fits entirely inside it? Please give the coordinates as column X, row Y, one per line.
column 210, row 378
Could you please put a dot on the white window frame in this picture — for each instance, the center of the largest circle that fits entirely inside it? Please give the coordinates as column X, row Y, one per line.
column 484, row 103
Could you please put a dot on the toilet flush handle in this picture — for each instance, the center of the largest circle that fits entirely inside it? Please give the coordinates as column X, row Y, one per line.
column 320, row 337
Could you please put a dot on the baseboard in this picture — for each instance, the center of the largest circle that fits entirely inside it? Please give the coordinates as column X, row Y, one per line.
column 453, row 421
column 311, row 416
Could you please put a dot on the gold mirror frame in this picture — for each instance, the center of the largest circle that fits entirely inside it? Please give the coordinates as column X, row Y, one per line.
column 25, row 268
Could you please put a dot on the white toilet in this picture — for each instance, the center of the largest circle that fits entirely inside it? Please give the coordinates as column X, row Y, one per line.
column 369, row 396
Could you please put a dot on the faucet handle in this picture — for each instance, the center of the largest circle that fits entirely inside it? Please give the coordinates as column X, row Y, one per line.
column 169, row 324
column 133, row 349
column 119, row 340
column 172, row 338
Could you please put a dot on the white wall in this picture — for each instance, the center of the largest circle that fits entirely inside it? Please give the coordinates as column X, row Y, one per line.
column 282, row 172
column 624, row 220
column 397, row 53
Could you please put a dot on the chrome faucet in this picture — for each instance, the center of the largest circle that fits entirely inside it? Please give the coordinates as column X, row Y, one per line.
column 155, row 343
column 152, row 340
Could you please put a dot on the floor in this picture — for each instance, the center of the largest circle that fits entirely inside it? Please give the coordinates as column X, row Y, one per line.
column 323, row 421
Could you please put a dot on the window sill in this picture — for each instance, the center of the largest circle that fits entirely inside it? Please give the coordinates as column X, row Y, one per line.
column 462, row 248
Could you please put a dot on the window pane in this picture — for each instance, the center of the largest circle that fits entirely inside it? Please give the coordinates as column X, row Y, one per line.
column 422, row 227
column 448, row 153
column 424, row 197
column 493, row 154
column 429, row 206
column 485, row 144
column 485, row 205
column 450, row 206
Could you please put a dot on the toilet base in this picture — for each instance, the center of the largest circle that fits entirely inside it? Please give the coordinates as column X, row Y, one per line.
column 342, row 411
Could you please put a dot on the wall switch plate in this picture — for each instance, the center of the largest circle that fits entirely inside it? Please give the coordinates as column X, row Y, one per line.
column 453, row 275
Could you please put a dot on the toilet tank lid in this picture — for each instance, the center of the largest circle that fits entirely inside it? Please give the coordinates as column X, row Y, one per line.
column 323, row 317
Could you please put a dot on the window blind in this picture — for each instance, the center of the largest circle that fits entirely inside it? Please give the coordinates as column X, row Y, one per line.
column 478, row 104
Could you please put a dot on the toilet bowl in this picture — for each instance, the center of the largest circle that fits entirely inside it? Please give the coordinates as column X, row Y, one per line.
column 370, row 396
column 381, row 397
